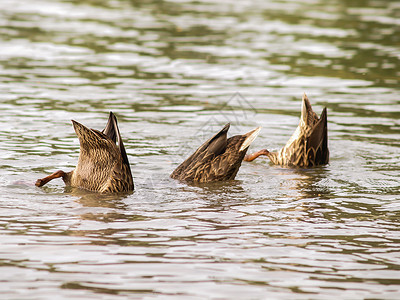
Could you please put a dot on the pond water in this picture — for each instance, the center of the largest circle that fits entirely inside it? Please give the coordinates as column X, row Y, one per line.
column 174, row 72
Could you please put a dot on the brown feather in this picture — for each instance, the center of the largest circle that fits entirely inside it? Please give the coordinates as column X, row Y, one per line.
column 103, row 165
column 218, row 159
column 308, row 146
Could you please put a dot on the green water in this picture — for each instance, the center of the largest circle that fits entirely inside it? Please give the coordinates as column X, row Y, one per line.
column 174, row 72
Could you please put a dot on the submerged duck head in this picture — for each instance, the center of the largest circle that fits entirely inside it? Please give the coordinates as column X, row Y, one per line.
column 103, row 165
column 308, row 146
column 218, row 159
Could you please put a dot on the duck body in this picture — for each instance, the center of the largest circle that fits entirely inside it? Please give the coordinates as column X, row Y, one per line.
column 308, row 146
column 103, row 165
column 218, row 159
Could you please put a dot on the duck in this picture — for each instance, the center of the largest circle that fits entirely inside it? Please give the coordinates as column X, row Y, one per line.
column 218, row 159
column 307, row 147
column 103, row 165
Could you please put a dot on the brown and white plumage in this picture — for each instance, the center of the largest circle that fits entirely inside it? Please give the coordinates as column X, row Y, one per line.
column 103, row 165
column 218, row 159
column 308, row 145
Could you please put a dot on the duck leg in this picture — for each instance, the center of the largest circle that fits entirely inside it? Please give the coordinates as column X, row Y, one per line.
column 43, row 181
column 253, row 156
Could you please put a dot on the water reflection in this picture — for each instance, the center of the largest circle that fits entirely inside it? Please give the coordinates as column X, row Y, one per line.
column 313, row 183
column 92, row 199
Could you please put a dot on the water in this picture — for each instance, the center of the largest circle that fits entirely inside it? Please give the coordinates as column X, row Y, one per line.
column 174, row 72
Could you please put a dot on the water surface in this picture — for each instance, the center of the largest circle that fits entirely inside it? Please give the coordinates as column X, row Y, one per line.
column 174, row 72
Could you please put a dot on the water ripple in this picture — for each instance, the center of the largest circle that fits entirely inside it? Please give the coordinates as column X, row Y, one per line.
column 174, row 73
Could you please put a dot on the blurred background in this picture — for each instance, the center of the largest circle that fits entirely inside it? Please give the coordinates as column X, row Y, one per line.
column 174, row 72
